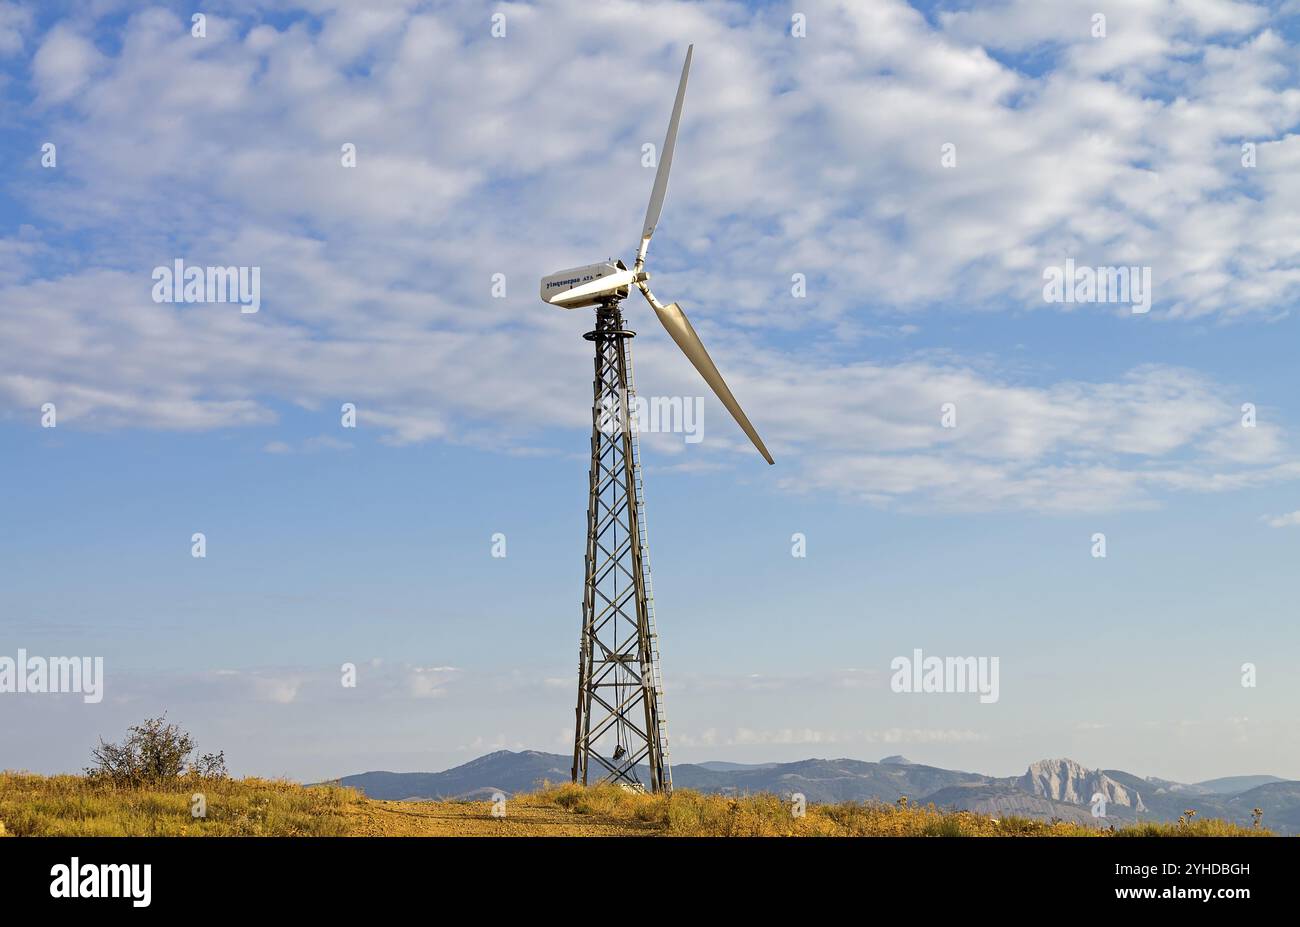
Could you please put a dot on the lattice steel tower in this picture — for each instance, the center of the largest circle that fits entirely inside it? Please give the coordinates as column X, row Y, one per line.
column 621, row 730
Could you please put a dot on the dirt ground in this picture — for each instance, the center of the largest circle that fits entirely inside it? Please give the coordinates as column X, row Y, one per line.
column 474, row 819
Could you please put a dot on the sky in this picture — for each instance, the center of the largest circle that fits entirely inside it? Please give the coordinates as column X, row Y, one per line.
column 864, row 204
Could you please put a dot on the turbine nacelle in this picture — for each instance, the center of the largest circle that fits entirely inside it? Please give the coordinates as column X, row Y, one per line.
column 590, row 285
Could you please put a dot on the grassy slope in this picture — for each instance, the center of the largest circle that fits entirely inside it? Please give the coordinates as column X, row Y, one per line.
column 70, row 805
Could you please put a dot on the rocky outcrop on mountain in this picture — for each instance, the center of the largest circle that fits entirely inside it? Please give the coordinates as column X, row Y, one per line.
column 999, row 800
column 1067, row 781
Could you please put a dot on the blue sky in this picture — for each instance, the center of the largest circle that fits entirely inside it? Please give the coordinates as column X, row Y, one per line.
column 521, row 155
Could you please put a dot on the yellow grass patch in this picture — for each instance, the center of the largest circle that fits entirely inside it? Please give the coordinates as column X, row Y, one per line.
column 53, row 806
column 74, row 806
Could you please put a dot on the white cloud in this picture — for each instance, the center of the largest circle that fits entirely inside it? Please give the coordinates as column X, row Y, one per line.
column 812, row 736
column 15, row 21
column 1065, row 447
column 63, row 64
column 310, row 445
column 820, row 157
column 376, row 682
column 428, row 681
column 280, row 691
column 1290, row 519
column 1140, row 33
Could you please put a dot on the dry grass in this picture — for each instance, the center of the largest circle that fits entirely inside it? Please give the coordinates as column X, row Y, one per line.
column 53, row 806
column 74, row 806
column 691, row 814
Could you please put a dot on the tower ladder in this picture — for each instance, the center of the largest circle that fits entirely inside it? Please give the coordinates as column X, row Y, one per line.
column 644, row 540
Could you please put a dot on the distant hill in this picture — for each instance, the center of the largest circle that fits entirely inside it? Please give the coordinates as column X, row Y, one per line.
column 1052, row 788
column 824, row 780
column 1280, row 802
column 503, row 771
column 1232, row 785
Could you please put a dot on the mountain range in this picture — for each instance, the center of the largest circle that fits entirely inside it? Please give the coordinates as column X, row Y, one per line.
column 1054, row 788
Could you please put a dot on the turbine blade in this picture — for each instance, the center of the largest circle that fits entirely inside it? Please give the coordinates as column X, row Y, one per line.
column 665, row 163
column 681, row 330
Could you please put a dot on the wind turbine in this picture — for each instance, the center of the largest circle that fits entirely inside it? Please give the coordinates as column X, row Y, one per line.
column 620, row 722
